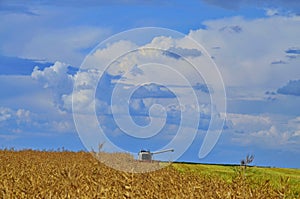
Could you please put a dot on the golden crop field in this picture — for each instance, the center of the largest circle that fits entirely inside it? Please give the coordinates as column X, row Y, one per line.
column 42, row 174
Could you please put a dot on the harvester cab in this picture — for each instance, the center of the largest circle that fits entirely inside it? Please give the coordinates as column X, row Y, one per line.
column 146, row 155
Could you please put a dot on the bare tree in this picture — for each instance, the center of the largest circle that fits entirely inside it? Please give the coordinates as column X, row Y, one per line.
column 245, row 162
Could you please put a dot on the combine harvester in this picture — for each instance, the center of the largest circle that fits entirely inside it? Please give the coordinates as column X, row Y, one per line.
column 146, row 155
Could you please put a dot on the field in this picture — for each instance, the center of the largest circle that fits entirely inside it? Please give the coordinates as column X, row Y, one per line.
column 44, row 174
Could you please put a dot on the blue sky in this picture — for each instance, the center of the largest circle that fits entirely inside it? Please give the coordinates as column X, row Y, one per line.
column 256, row 47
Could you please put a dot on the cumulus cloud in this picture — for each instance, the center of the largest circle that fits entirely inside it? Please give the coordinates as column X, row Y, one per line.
column 243, row 64
column 291, row 88
column 101, row 58
column 248, row 123
column 246, row 68
column 5, row 114
column 263, row 136
column 267, row 131
column 130, row 71
column 16, row 121
column 56, row 78
column 19, row 116
column 271, row 138
column 53, row 76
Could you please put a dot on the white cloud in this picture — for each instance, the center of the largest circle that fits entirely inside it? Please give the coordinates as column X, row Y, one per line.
column 244, row 57
column 290, row 5
column 244, row 122
column 172, row 73
column 53, row 41
column 28, row 103
column 52, row 77
column 101, row 58
column 270, row 138
column 271, row 12
column 265, row 131
column 296, row 133
column 244, row 119
column 83, row 101
column 23, row 116
column 294, row 125
column 55, row 78
column 245, row 67
column 21, row 121
column 5, row 114
column 68, row 44
column 12, row 120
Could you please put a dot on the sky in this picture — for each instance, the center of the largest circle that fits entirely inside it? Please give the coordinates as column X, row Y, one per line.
column 62, row 88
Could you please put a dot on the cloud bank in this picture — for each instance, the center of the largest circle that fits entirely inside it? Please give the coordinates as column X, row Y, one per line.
column 292, row 5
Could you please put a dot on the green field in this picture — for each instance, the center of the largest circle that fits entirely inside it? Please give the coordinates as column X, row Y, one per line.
column 275, row 176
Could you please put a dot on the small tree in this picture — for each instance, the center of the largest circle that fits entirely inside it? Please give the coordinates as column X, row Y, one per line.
column 245, row 162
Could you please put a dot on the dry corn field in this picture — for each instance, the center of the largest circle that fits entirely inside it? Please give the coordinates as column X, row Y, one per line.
column 37, row 174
